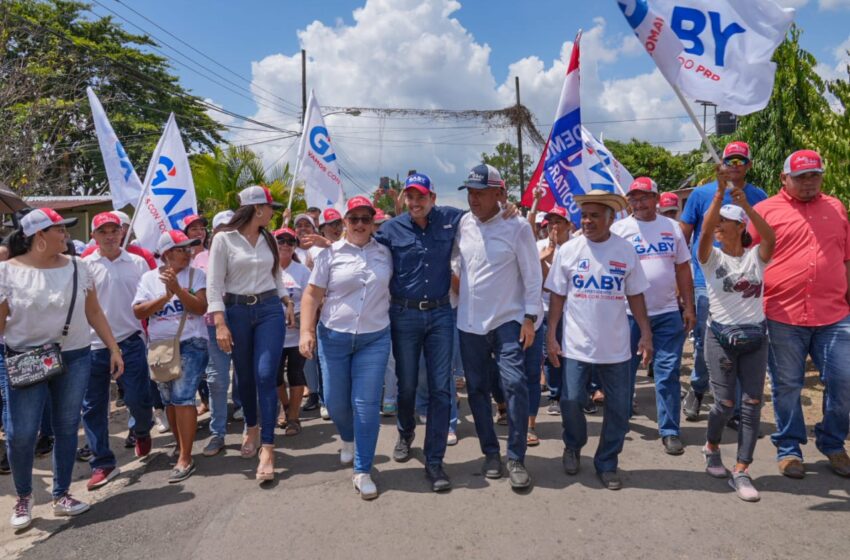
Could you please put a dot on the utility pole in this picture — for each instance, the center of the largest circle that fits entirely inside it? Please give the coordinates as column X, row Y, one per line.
column 519, row 139
column 303, row 84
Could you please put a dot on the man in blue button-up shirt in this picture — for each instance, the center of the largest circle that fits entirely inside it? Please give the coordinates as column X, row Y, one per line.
column 421, row 317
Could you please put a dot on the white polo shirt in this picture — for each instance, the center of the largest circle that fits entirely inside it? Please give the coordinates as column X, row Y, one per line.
column 116, row 283
column 596, row 278
column 500, row 276
column 237, row 267
column 357, row 284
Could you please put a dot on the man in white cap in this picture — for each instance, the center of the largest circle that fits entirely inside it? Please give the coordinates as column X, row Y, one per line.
column 596, row 274
column 665, row 260
column 116, row 274
column 807, row 305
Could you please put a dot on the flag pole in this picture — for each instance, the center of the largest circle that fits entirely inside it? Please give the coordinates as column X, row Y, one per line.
column 708, row 145
column 142, row 196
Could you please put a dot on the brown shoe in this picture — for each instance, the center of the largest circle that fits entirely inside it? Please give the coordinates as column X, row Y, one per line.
column 792, row 467
column 840, row 463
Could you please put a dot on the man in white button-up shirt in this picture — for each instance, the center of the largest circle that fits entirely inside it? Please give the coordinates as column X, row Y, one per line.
column 499, row 304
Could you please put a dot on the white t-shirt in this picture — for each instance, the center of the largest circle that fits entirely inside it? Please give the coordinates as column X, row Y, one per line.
column 660, row 245
column 308, row 256
column 541, row 245
column 735, row 287
column 39, row 299
column 295, row 279
column 163, row 324
column 596, row 278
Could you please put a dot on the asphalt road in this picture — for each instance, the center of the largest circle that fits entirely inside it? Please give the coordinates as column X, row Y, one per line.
column 669, row 508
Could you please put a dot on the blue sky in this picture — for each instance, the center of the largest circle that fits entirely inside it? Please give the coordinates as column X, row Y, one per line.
column 492, row 39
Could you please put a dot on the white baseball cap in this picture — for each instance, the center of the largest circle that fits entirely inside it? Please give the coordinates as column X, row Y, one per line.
column 733, row 212
column 222, row 218
column 43, row 218
column 125, row 219
column 257, row 195
column 174, row 238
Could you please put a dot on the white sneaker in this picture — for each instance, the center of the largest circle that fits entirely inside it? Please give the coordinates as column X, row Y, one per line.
column 325, row 414
column 22, row 513
column 346, row 454
column 452, row 439
column 238, row 415
column 364, row 485
column 67, row 506
column 161, row 421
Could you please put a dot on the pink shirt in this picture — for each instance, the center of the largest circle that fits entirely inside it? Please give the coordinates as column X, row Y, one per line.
column 805, row 283
column 200, row 262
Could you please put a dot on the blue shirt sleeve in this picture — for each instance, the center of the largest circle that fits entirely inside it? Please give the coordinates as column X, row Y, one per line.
column 693, row 211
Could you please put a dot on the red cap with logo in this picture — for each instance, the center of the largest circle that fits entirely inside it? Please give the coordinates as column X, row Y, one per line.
column 556, row 211
column 643, row 184
column 104, row 218
column 803, row 161
column 43, row 218
column 189, row 220
column 278, row 233
column 668, row 200
column 359, row 202
column 330, row 215
column 737, row 149
column 380, row 217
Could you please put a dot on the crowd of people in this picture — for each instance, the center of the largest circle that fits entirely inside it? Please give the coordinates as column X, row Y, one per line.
column 363, row 313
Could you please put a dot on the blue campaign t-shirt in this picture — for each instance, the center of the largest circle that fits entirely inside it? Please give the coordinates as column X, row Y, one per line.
column 695, row 210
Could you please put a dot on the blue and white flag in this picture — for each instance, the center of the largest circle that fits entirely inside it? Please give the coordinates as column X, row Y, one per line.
column 602, row 169
column 169, row 192
column 124, row 185
column 317, row 164
column 713, row 50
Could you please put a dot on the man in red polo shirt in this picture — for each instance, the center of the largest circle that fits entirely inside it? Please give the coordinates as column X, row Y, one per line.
column 807, row 306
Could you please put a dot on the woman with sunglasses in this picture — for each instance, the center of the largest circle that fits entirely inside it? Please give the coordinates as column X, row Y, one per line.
column 244, row 282
column 295, row 279
column 163, row 297
column 352, row 277
column 36, row 291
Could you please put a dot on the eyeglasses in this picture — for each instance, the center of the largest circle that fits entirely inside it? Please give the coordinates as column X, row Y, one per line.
column 365, row 220
column 291, row 242
column 735, row 162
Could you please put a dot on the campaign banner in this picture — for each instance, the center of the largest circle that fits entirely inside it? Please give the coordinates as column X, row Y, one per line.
column 124, row 185
column 602, row 169
column 169, row 191
column 316, row 163
column 713, row 50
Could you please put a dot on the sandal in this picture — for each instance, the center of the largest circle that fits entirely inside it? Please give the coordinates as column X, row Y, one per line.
column 293, row 428
column 281, row 422
column 250, row 445
column 598, row 397
column 531, row 438
column 265, row 473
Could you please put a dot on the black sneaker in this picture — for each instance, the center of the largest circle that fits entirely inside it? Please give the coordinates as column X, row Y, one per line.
column 311, row 402
column 734, row 423
column 84, row 453
column 590, row 408
column 610, row 480
column 5, row 467
column 492, row 466
column 691, row 405
column 439, row 479
column 44, row 446
column 673, row 445
column 570, row 461
column 401, row 451
column 518, row 475
column 130, row 440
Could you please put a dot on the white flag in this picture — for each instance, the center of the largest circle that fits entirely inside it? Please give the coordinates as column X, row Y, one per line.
column 602, row 169
column 713, row 50
column 169, row 192
column 317, row 165
column 124, row 185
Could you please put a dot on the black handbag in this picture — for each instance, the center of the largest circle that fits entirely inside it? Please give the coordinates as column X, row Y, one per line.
column 43, row 363
column 739, row 339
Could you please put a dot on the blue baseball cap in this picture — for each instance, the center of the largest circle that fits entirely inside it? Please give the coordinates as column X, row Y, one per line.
column 420, row 182
column 483, row 176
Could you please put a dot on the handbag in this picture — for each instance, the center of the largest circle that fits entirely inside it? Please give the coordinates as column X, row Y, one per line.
column 164, row 355
column 739, row 339
column 43, row 363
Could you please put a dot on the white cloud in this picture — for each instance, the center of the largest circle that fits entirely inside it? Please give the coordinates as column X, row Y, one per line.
column 793, row 3
column 834, row 4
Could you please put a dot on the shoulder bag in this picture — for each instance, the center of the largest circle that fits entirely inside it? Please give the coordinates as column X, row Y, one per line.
column 164, row 355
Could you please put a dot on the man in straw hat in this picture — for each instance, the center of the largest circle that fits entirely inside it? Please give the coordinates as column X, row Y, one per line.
column 595, row 275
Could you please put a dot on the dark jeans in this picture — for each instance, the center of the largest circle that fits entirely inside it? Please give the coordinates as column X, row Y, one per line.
column 533, row 365
column 137, row 397
column 258, row 332
column 479, row 352
column 22, row 415
column 413, row 332
column 727, row 372
column 699, row 375
column 614, row 382
column 553, row 374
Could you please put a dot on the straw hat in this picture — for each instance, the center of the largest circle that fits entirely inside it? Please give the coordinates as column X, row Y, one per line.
column 613, row 201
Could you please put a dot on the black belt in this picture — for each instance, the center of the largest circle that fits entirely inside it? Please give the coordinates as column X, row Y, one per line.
column 253, row 299
column 421, row 305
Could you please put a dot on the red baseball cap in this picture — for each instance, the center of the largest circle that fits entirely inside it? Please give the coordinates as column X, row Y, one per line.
column 359, row 202
column 380, row 217
column 668, row 200
column 737, row 149
column 556, row 211
column 191, row 220
column 172, row 239
column 330, row 215
column 104, row 218
column 803, row 161
column 278, row 233
column 43, row 218
column 643, row 184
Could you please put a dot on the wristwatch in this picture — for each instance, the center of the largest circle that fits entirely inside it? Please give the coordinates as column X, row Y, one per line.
column 530, row 317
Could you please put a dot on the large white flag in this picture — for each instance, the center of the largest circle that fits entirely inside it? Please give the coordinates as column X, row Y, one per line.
column 317, row 165
column 169, row 192
column 602, row 169
column 713, row 50
column 124, row 185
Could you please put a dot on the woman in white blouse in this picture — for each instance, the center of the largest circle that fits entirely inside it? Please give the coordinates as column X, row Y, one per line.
column 36, row 289
column 244, row 281
column 352, row 276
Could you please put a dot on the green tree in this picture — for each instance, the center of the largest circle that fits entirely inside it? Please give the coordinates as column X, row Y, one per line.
column 506, row 160
column 644, row 159
column 53, row 49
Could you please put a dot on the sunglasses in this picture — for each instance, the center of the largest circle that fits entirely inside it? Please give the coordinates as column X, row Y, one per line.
column 735, row 162
column 291, row 242
column 365, row 220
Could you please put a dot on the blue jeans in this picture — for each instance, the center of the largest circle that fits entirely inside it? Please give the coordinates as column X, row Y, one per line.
column 218, row 381
column 193, row 362
column 353, row 366
column 500, row 348
column 313, row 377
column 699, row 375
column 829, row 347
column 668, row 337
column 390, row 382
column 423, row 397
column 258, row 332
column 137, row 397
column 553, row 374
column 614, row 382
column 533, row 365
column 22, row 416
column 413, row 332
